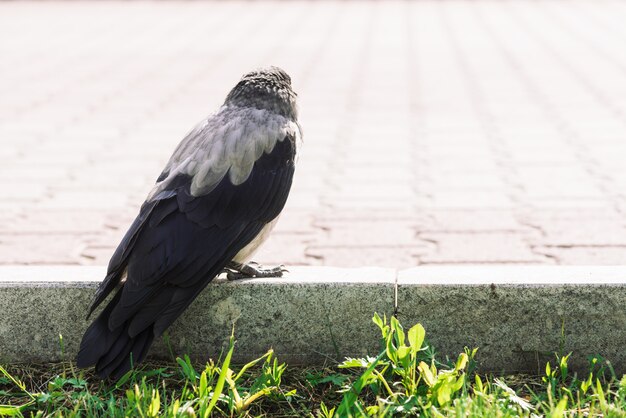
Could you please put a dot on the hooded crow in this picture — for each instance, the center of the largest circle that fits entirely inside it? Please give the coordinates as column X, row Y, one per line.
column 213, row 205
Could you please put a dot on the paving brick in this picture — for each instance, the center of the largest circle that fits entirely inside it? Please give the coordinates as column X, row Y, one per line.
column 295, row 222
column 73, row 222
column 574, row 232
column 287, row 249
column 473, row 221
column 366, row 256
column 38, row 249
column 454, row 180
column 362, row 202
column 581, row 214
column 492, row 248
column 561, row 203
column 470, row 200
column 96, row 255
column 23, row 191
column 87, row 200
column 612, row 256
column 368, row 233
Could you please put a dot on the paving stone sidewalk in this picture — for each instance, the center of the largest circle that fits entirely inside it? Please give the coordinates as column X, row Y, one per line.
column 435, row 132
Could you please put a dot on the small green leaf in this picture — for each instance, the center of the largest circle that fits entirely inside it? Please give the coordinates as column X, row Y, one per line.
column 417, row 333
column 600, row 393
column 461, row 362
column 587, row 383
column 203, row 385
column 349, row 363
column 327, row 413
column 130, row 395
column 459, row 383
column 427, row 374
column 188, row 371
column 390, row 349
column 559, row 411
column 122, row 380
column 443, row 394
column 563, row 366
column 378, row 320
column 11, row 411
column 478, row 383
column 335, row 379
column 403, row 353
column 175, row 407
column 155, row 404
column 398, row 330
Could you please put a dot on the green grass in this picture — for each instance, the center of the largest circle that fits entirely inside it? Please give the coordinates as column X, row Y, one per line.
column 406, row 378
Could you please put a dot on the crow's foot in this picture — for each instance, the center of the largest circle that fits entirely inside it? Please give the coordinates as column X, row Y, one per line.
column 236, row 271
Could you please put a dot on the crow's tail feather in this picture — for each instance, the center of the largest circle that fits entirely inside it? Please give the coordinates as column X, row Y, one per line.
column 112, row 351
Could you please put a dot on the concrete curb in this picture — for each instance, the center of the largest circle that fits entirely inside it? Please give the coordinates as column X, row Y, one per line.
column 518, row 316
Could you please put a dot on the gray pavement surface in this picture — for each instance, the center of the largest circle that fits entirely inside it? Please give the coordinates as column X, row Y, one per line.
column 435, row 132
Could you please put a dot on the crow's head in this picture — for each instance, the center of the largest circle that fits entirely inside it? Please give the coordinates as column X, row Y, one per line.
column 266, row 88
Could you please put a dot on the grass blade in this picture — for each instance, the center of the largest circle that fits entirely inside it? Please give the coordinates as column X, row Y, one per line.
column 219, row 386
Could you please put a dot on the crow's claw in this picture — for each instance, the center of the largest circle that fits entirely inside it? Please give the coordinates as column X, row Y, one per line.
column 236, row 271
